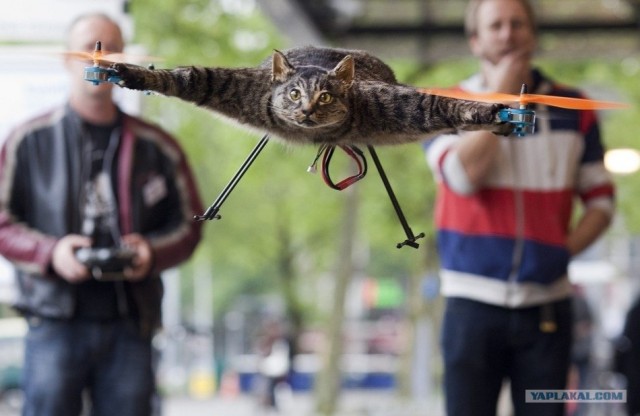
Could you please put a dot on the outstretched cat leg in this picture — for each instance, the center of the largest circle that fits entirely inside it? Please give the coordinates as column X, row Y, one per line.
column 195, row 84
column 237, row 93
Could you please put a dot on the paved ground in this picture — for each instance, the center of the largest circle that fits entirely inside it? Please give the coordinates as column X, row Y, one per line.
column 369, row 403
column 352, row 403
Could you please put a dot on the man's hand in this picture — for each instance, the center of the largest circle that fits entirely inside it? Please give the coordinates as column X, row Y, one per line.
column 143, row 259
column 63, row 258
column 508, row 73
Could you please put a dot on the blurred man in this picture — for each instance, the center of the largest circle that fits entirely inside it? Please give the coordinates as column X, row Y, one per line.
column 86, row 175
column 505, row 237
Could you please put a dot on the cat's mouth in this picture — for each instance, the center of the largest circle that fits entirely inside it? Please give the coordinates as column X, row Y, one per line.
column 306, row 122
column 313, row 122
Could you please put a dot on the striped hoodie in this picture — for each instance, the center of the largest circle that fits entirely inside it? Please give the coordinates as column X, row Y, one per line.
column 505, row 244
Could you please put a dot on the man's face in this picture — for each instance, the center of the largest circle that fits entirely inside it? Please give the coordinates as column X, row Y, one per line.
column 83, row 37
column 503, row 28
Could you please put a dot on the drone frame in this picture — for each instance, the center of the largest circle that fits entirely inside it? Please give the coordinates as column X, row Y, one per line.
column 212, row 212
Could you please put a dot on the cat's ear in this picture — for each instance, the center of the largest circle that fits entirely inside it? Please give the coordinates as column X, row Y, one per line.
column 281, row 69
column 345, row 70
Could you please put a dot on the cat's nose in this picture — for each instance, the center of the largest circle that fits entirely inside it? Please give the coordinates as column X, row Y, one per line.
column 307, row 110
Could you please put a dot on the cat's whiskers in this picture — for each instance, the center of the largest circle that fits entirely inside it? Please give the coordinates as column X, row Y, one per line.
column 280, row 112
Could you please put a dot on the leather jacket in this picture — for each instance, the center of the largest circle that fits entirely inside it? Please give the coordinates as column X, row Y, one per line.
column 40, row 184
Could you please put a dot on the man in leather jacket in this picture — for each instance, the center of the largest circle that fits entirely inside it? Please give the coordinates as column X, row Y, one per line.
column 88, row 175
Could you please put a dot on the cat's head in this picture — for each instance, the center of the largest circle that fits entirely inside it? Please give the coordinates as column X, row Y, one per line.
column 309, row 96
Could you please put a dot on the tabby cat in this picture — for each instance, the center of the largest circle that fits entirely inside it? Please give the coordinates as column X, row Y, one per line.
column 319, row 95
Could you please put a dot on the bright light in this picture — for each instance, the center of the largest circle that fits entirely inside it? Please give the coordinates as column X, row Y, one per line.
column 622, row 161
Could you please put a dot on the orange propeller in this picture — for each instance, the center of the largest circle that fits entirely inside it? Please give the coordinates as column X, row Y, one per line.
column 524, row 99
column 100, row 57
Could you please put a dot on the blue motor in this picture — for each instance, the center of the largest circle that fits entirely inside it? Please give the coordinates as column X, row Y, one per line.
column 523, row 119
column 98, row 75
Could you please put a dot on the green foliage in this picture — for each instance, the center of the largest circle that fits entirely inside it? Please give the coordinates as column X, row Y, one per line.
column 204, row 32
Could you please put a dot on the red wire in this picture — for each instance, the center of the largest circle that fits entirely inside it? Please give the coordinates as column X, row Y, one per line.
column 355, row 154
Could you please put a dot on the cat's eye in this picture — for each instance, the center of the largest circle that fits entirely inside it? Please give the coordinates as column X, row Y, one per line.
column 325, row 98
column 294, row 94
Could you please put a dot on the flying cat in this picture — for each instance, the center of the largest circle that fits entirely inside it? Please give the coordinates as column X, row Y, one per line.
column 313, row 95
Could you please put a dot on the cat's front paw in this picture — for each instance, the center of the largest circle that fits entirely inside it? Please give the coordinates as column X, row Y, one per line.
column 131, row 76
column 499, row 126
